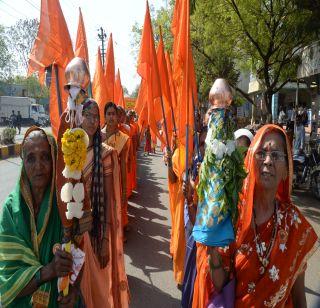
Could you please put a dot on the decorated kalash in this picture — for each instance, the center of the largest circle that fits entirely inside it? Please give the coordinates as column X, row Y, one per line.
column 221, row 174
column 73, row 203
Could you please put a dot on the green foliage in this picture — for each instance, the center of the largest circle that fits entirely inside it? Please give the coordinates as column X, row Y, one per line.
column 21, row 37
column 34, row 88
column 8, row 135
column 6, row 63
column 264, row 37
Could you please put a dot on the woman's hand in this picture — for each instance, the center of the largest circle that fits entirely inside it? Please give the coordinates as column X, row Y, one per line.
column 61, row 265
column 187, row 191
column 69, row 300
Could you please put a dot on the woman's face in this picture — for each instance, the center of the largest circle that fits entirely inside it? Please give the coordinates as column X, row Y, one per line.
column 111, row 117
column 270, row 162
column 37, row 160
column 91, row 120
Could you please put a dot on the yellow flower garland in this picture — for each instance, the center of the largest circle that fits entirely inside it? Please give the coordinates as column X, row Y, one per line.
column 74, row 148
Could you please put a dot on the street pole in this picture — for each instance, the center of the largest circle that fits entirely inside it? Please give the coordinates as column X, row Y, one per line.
column 102, row 37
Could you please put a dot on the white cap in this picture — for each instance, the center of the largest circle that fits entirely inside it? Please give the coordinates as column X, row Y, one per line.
column 243, row 132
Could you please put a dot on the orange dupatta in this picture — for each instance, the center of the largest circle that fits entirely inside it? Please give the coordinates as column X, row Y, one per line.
column 295, row 240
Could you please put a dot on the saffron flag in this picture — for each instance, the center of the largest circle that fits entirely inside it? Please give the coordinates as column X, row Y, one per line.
column 81, row 47
column 142, row 98
column 171, row 82
column 148, row 70
column 53, row 43
column 99, row 89
column 183, row 71
column 118, row 91
column 165, row 87
column 52, row 46
column 109, row 72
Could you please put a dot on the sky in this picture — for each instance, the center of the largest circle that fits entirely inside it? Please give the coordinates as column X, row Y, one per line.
column 116, row 16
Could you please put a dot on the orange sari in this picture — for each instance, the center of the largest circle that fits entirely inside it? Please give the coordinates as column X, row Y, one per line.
column 106, row 287
column 295, row 242
column 120, row 142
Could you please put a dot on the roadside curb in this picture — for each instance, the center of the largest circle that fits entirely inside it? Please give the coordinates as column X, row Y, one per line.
column 10, row 150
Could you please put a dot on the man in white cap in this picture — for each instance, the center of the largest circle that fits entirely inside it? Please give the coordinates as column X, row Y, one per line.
column 243, row 137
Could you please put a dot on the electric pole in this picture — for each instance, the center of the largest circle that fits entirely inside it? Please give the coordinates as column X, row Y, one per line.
column 102, row 37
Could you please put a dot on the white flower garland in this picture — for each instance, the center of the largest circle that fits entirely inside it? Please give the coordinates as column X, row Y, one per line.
column 219, row 148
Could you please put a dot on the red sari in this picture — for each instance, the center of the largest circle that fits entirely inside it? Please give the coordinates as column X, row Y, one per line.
column 295, row 242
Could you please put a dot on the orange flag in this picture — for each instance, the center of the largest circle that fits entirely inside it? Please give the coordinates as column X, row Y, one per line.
column 118, row 91
column 165, row 87
column 99, row 88
column 81, row 48
column 52, row 46
column 53, row 43
column 183, row 71
column 171, row 82
column 148, row 70
column 109, row 72
column 142, row 97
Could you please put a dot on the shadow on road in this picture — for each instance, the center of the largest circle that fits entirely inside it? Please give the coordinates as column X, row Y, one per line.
column 153, row 297
column 149, row 237
column 308, row 204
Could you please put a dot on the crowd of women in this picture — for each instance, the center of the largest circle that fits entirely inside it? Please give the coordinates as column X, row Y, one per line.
column 264, row 266
column 31, row 231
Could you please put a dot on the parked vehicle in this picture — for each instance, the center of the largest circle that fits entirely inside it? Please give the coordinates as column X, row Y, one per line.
column 31, row 112
column 306, row 170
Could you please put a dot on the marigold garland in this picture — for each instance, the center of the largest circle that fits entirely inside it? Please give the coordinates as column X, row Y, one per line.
column 74, row 148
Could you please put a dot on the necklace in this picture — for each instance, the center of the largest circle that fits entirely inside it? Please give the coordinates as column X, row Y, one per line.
column 264, row 257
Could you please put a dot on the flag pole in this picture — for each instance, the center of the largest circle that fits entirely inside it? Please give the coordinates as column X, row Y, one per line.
column 196, row 140
column 56, row 72
column 187, row 111
column 165, row 125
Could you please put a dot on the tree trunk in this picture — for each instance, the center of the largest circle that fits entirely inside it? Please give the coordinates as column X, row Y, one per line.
column 267, row 107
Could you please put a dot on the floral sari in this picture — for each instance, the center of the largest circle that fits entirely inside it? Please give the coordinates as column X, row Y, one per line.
column 295, row 241
column 107, row 287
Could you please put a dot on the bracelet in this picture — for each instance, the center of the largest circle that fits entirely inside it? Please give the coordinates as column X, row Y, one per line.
column 37, row 276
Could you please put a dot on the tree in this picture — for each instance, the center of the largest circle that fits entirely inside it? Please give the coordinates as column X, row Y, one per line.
column 21, row 37
column 125, row 91
column 135, row 92
column 34, row 88
column 212, row 54
column 6, row 63
column 266, row 37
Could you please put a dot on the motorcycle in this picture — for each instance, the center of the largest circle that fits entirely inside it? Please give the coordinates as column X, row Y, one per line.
column 306, row 171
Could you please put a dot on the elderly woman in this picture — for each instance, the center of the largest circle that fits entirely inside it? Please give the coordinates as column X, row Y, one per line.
column 104, row 281
column 274, row 240
column 29, row 228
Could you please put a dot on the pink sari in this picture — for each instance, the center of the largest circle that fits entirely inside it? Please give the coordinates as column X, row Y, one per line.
column 106, row 287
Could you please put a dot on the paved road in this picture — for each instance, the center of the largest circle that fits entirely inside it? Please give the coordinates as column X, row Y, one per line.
column 148, row 263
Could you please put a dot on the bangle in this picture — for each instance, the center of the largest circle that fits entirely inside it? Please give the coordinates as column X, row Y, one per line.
column 37, row 276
